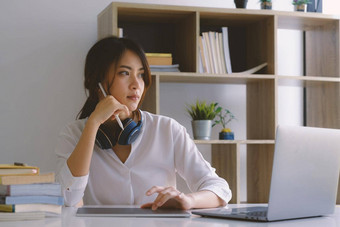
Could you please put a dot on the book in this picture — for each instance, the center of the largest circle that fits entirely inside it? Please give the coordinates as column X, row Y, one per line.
column 220, row 42
column 200, row 64
column 165, row 68
column 226, row 49
column 164, row 55
column 209, row 54
column 18, row 208
column 212, row 40
column 58, row 200
column 10, row 170
column 159, row 58
column 4, row 216
column 42, row 178
column 219, row 56
column 30, row 189
column 202, row 55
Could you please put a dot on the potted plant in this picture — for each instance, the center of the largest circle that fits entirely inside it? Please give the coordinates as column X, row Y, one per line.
column 266, row 4
column 241, row 3
column 300, row 5
column 202, row 115
column 224, row 117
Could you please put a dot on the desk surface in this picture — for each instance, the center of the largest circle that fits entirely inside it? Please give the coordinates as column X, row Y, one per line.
column 68, row 218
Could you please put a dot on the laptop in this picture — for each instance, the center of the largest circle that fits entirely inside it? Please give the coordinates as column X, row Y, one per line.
column 107, row 211
column 304, row 179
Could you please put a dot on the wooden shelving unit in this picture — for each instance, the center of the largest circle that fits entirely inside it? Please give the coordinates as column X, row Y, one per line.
column 252, row 40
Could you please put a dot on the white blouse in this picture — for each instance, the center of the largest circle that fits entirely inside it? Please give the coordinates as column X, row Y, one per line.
column 162, row 149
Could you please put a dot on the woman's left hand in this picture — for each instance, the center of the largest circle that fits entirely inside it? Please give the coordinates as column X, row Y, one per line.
column 168, row 197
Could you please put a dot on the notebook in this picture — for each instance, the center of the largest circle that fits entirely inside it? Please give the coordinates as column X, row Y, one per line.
column 304, row 178
column 130, row 212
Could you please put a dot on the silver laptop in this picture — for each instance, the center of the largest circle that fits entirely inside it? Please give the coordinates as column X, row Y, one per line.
column 130, row 212
column 304, row 179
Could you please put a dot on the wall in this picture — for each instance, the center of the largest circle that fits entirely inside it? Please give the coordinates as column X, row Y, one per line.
column 43, row 44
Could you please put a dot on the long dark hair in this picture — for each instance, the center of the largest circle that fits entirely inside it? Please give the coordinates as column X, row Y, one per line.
column 100, row 57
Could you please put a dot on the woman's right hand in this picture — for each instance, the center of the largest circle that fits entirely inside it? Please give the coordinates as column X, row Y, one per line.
column 107, row 108
column 80, row 159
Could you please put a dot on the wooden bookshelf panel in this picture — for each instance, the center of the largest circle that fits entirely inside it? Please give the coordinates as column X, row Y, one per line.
column 259, row 172
column 163, row 31
column 323, row 105
column 261, row 117
column 251, row 38
column 226, row 160
column 261, row 124
column 322, row 51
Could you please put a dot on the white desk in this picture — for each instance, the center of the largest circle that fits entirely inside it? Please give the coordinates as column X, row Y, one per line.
column 68, row 219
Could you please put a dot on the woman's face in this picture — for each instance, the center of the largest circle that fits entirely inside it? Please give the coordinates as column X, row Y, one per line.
column 128, row 80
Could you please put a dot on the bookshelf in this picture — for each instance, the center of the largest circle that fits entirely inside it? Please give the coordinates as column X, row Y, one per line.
column 252, row 41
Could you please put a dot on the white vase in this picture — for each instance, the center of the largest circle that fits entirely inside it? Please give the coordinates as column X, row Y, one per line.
column 300, row 8
column 201, row 129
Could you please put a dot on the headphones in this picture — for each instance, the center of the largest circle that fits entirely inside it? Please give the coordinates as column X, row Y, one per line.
column 106, row 138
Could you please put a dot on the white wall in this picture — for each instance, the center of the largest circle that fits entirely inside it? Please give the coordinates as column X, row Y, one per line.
column 43, row 44
column 331, row 7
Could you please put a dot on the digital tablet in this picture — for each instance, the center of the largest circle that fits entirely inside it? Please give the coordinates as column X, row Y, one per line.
column 130, row 212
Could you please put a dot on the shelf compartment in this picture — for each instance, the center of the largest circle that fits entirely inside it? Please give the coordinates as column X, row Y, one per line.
column 251, row 38
column 226, row 159
column 322, row 51
column 162, row 31
column 322, row 98
column 321, row 36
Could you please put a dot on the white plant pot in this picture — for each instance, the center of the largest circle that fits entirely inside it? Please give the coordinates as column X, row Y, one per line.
column 300, row 8
column 201, row 129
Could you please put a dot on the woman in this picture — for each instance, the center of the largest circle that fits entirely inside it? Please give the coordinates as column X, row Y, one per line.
column 142, row 172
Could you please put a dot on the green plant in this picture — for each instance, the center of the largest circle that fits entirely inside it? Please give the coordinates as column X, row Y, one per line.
column 203, row 111
column 224, row 117
column 265, row 0
column 300, row 2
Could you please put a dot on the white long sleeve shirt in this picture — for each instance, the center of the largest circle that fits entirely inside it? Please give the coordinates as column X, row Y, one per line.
column 162, row 149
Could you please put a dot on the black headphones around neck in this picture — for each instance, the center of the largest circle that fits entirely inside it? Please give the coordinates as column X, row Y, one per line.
column 106, row 139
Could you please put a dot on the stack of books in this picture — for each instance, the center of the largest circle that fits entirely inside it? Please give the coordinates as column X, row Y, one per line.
column 214, row 54
column 26, row 194
column 161, row 62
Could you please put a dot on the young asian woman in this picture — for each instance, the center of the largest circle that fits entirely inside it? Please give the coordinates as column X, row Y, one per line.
column 137, row 167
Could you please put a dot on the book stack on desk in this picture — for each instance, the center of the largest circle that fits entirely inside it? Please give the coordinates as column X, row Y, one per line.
column 26, row 194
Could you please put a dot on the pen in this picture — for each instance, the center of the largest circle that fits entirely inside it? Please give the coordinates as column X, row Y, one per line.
column 116, row 115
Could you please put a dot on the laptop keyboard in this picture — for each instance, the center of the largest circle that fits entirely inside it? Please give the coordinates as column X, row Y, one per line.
column 251, row 211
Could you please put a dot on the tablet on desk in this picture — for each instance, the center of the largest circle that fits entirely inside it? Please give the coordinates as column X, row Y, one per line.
column 130, row 212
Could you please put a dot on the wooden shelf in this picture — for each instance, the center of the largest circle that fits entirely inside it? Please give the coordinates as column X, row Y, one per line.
column 305, row 81
column 252, row 41
column 179, row 77
column 211, row 78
